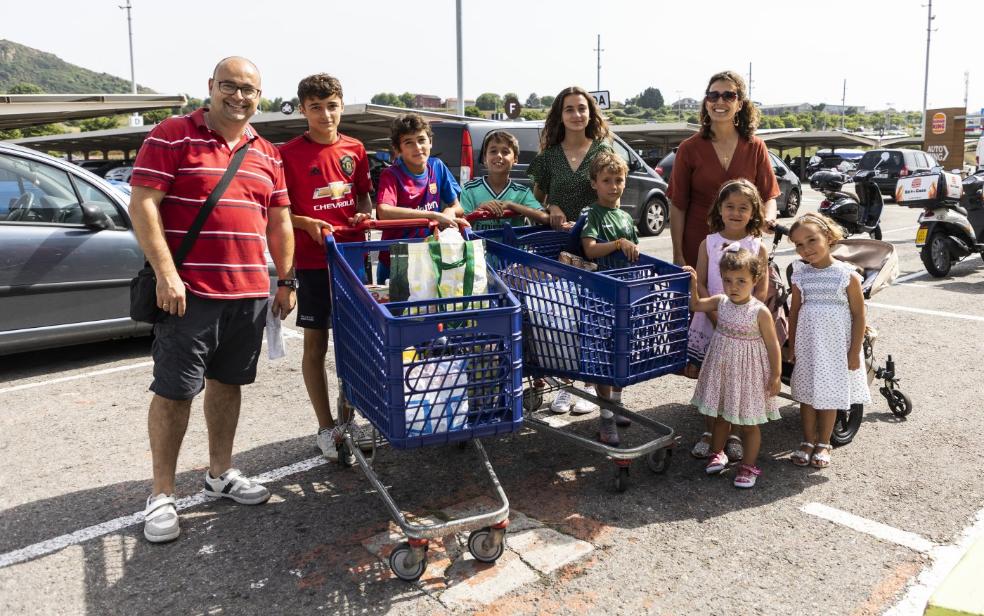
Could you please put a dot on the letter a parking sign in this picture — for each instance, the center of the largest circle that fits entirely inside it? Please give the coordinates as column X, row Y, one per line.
column 602, row 97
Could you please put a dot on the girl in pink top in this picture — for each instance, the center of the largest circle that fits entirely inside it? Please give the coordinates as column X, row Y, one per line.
column 736, row 216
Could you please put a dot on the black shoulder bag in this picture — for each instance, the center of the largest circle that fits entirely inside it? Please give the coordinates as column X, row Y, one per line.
column 143, row 287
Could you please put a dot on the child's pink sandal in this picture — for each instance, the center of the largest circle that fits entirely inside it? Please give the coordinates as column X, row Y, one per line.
column 747, row 474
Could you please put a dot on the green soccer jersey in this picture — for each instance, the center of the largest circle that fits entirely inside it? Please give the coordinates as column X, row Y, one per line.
column 608, row 224
column 478, row 191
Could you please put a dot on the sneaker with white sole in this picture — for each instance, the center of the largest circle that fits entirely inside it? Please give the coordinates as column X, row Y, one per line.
column 717, row 463
column 583, row 407
column 161, row 519
column 562, row 403
column 232, row 484
column 326, row 443
column 608, row 432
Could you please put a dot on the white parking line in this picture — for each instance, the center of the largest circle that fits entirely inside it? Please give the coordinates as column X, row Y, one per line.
column 58, row 543
column 944, row 559
column 935, row 313
column 870, row 527
column 76, row 377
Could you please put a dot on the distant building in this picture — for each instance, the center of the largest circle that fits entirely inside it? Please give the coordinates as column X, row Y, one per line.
column 427, row 101
column 685, row 104
column 778, row 110
column 452, row 102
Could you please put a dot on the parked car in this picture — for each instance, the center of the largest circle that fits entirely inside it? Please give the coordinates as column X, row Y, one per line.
column 102, row 166
column 827, row 159
column 787, row 203
column 67, row 254
column 798, row 164
column 459, row 145
column 122, row 173
column 901, row 162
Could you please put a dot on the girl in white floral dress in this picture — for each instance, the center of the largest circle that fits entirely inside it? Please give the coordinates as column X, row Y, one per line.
column 740, row 375
column 826, row 331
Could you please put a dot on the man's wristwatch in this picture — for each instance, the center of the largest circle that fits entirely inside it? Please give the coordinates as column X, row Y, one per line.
column 290, row 283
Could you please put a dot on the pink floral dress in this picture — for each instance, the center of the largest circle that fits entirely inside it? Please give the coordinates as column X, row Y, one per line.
column 701, row 327
column 734, row 378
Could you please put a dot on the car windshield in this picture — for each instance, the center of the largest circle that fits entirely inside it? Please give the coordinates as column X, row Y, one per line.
column 872, row 158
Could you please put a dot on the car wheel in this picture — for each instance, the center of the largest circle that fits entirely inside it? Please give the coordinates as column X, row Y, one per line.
column 654, row 217
column 792, row 203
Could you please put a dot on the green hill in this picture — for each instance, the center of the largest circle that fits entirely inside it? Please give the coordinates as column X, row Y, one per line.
column 20, row 64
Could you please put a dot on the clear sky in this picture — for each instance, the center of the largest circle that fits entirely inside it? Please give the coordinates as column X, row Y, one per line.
column 800, row 51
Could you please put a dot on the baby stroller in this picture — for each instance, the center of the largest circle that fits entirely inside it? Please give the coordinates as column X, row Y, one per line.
column 878, row 266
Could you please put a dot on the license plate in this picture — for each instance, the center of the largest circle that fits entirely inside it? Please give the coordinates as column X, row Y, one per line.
column 921, row 235
column 881, row 176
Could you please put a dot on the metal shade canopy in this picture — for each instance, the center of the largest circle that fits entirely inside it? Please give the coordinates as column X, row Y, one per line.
column 18, row 110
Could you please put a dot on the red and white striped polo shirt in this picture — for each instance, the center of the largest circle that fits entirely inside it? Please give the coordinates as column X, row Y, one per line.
column 185, row 159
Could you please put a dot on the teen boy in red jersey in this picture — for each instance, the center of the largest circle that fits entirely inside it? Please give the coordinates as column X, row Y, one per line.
column 328, row 183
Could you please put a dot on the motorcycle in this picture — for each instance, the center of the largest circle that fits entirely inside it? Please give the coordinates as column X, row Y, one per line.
column 951, row 225
column 859, row 212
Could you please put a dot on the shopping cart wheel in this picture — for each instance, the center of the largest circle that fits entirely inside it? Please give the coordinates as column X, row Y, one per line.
column 532, row 399
column 898, row 402
column 408, row 564
column 487, row 544
column 658, row 461
column 621, row 478
column 344, row 457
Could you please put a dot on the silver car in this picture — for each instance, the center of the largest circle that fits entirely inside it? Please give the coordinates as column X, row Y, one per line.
column 67, row 254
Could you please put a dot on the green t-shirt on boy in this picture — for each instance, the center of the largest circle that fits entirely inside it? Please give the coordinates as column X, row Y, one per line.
column 608, row 224
column 478, row 191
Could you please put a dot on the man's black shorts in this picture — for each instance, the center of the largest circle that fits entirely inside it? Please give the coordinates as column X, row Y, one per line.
column 215, row 339
column 313, row 299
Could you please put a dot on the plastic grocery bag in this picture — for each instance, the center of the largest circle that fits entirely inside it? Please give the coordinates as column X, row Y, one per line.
column 554, row 319
column 436, row 397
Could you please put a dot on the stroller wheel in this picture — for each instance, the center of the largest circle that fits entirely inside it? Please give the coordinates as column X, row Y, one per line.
column 846, row 425
column 898, row 402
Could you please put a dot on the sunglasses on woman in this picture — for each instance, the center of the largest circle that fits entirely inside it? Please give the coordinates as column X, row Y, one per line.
column 728, row 95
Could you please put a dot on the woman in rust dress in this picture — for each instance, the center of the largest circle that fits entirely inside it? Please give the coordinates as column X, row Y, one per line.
column 725, row 149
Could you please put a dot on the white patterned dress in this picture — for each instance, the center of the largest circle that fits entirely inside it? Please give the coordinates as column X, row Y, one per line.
column 823, row 338
column 734, row 379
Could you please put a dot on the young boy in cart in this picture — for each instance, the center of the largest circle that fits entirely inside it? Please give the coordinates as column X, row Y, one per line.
column 328, row 183
column 414, row 186
column 496, row 192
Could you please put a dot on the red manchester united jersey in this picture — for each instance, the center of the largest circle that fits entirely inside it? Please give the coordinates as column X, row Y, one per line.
column 323, row 182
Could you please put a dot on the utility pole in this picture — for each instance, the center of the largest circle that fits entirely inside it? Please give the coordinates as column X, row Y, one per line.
column 461, row 87
column 129, row 27
column 749, row 81
column 843, row 103
column 599, row 50
column 966, row 87
column 929, row 34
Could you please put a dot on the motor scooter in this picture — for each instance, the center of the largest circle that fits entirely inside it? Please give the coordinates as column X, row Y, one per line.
column 951, row 226
column 855, row 213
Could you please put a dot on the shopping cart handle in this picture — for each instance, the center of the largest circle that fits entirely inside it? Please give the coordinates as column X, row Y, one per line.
column 401, row 223
column 486, row 215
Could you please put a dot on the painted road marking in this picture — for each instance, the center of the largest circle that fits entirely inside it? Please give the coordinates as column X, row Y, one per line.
column 76, row 377
column 944, row 559
column 92, row 532
column 870, row 527
column 935, row 313
column 290, row 333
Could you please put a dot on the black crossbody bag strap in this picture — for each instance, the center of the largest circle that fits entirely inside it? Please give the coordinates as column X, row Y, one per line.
column 213, row 198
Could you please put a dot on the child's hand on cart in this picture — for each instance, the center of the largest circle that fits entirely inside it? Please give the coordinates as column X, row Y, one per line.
column 313, row 227
column 358, row 218
column 494, row 208
column 630, row 250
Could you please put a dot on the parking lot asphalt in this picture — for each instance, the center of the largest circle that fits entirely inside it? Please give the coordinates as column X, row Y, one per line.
column 868, row 535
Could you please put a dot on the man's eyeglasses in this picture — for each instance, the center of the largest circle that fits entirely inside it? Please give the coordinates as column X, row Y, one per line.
column 229, row 88
column 711, row 95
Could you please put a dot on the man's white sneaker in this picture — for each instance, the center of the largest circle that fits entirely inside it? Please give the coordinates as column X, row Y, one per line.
column 161, row 519
column 583, row 407
column 232, row 484
column 562, row 402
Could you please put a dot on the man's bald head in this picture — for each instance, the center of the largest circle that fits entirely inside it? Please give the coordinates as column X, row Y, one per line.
column 237, row 65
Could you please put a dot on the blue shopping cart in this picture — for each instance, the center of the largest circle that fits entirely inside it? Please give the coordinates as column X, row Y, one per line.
column 623, row 324
column 427, row 373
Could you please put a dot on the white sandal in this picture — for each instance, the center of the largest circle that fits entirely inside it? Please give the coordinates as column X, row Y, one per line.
column 702, row 449
column 822, row 459
column 800, row 457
